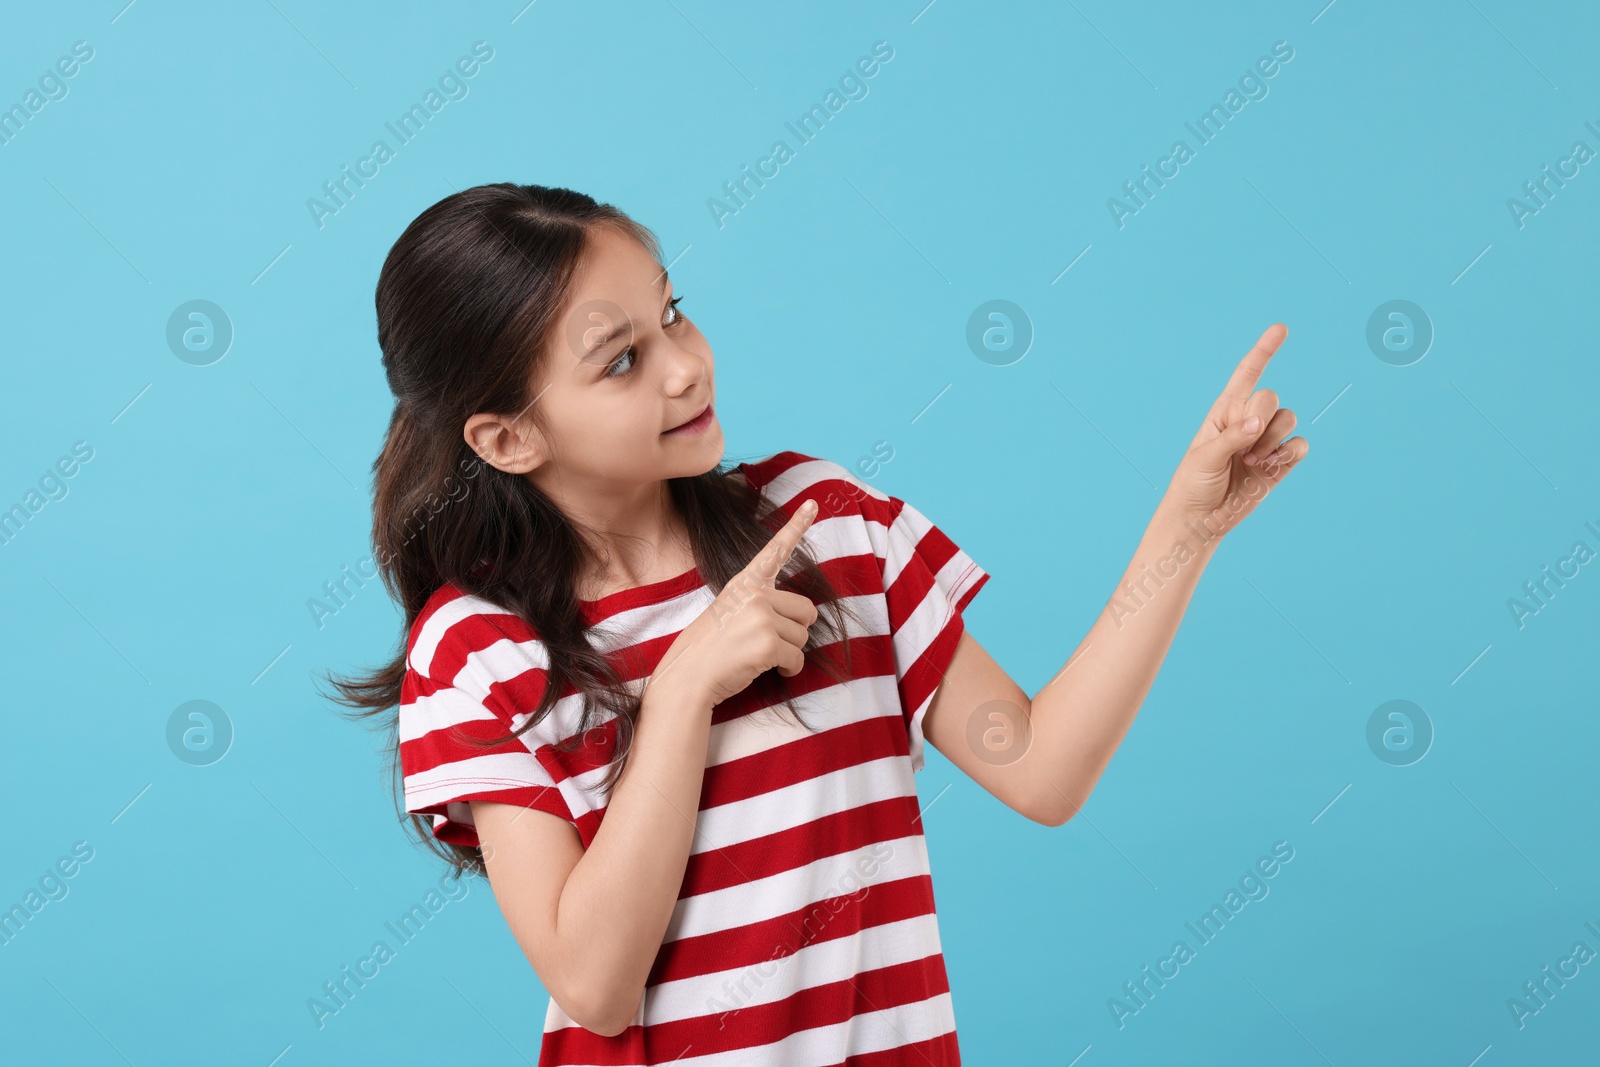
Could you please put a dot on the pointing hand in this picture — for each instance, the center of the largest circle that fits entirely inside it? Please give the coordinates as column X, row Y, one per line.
column 1239, row 454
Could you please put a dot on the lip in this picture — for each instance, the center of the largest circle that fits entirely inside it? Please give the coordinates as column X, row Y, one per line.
column 699, row 424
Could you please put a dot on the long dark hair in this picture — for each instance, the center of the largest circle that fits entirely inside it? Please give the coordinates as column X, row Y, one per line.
column 467, row 300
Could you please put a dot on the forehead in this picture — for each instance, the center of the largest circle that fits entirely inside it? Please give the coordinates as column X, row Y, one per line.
column 614, row 267
column 616, row 285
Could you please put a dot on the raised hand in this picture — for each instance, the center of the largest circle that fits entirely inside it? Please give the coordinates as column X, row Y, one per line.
column 750, row 627
column 1236, row 458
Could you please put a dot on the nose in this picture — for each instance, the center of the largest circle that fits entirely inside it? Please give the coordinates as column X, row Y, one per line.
column 685, row 369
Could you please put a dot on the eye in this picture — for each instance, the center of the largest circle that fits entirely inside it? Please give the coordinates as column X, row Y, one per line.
column 677, row 319
column 625, row 354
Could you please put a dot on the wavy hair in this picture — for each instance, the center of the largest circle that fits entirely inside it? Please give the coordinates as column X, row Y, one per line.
column 467, row 302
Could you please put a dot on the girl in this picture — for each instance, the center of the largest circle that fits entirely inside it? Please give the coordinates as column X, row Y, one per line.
column 671, row 708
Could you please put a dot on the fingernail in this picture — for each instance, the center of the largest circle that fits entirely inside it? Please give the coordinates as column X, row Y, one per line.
column 1252, row 424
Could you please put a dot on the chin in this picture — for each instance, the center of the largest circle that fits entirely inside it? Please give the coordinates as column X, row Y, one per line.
column 708, row 455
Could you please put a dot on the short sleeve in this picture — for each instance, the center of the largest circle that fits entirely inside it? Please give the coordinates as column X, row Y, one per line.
column 928, row 581
column 443, row 769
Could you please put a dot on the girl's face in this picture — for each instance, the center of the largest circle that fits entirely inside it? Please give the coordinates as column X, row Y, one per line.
column 623, row 367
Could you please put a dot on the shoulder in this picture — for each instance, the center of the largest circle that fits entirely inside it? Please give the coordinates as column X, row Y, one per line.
column 790, row 478
column 468, row 658
column 469, row 643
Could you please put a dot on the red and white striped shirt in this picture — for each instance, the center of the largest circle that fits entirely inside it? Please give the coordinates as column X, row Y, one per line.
column 804, row 931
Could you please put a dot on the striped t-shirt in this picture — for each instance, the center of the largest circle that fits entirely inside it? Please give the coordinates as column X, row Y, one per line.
column 804, row 931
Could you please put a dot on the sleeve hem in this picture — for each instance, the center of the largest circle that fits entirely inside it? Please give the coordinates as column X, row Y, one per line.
column 965, row 588
column 449, row 825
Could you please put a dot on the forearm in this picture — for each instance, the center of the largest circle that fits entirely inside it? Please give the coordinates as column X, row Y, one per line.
column 619, row 899
column 1081, row 716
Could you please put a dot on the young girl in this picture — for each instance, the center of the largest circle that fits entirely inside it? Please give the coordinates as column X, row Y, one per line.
column 672, row 709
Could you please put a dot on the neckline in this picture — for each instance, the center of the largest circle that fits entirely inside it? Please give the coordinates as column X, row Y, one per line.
column 593, row 611
column 639, row 596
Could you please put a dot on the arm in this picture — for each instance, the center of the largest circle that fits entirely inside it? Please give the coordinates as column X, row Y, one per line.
column 1043, row 755
column 591, row 921
column 1077, row 720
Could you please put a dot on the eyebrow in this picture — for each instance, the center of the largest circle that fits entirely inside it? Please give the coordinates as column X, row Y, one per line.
column 661, row 285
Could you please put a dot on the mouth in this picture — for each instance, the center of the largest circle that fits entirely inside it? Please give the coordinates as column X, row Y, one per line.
column 699, row 424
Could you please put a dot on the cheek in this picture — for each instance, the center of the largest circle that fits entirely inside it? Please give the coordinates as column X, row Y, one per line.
column 624, row 421
column 584, row 421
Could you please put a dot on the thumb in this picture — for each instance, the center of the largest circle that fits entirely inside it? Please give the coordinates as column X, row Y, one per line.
column 1218, row 452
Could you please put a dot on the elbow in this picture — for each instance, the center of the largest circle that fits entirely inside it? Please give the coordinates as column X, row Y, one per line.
column 1056, row 810
column 595, row 1007
column 599, row 999
column 605, row 1015
column 609, row 1029
column 616, row 1021
column 1051, row 818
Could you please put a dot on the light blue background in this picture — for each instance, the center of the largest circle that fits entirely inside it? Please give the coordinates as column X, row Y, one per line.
column 221, row 498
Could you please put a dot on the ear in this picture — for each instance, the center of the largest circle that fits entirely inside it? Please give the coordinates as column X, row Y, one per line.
column 515, row 448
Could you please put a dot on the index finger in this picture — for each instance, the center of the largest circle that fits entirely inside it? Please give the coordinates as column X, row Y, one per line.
column 1245, row 376
column 771, row 559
